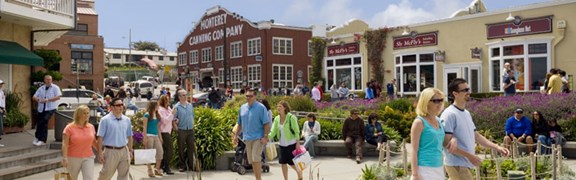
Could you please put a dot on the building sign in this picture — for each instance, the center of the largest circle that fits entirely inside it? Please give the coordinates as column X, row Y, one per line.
column 476, row 53
column 519, row 27
column 82, row 46
column 416, row 40
column 218, row 21
column 338, row 50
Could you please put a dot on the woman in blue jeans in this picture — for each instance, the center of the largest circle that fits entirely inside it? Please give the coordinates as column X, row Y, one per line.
column 541, row 130
column 373, row 132
column 310, row 132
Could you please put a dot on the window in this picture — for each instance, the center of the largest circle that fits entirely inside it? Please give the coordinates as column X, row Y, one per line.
column 347, row 70
column 530, row 62
column 254, row 46
column 171, row 58
column 415, row 72
column 116, row 56
column 219, row 53
column 182, row 59
column 161, row 58
column 81, row 62
column 282, row 76
column 254, row 73
column 194, row 57
column 236, row 77
column 236, row 49
column 82, row 27
column 310, row 48
column 206, row 55
column 221, row 74
column 89, row 84
column 282, row 46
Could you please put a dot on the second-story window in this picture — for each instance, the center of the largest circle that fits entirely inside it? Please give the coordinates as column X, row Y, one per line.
column 206, row 55
column 254, row 46
column 219, row 50
column 194, row 57
column 282, row 46
column 236, row 49
column 182, row 59
column 161, row 58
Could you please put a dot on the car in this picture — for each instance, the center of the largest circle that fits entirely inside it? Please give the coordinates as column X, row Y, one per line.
column 114, row 81
column 69, row 97
column 144, row 86
column 200, row 99
column 151, row 79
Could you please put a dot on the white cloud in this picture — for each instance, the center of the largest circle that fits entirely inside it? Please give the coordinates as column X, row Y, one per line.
column 405, row 12
column 334, row 12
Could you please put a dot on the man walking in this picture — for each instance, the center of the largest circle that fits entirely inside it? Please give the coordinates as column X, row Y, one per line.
column 184, row 125
column 254, row 123
column 509, row 84
column 390, row 89
column 46, row 96
column 458, row 124
column 115, row 135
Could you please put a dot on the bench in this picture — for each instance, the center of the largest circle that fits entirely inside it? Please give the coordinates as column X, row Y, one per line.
column 568, row 150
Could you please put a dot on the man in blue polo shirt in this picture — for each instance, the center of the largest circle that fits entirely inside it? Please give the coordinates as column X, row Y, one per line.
column 184, row 124
column 519, row 129
column 115, row 135
column 254, row 123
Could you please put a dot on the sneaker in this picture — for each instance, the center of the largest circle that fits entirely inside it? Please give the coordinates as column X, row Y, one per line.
column 40, row 143
column 1, row 145
column 35, row 141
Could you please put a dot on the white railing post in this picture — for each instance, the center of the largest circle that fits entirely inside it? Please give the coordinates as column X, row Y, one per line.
column 559, row 159
column 498, row 170
column 533, row 165
column 404, row 157
column 387, row 153
column 554, row 165
column 538, row 148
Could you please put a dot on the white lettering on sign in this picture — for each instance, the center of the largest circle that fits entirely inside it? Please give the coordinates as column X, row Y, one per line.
column 216, row 35
column 517, row 30
column 213, row 21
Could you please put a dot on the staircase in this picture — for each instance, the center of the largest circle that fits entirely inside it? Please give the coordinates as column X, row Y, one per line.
column 20, row 161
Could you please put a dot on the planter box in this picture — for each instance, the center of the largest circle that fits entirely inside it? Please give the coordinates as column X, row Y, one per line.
column 8, row 130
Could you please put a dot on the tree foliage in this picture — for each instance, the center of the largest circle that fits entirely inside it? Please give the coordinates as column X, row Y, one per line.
column 375, row 44
column 146, row 45
column 318, row 46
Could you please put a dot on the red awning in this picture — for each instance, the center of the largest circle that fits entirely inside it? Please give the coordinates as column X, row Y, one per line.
column 150, row 63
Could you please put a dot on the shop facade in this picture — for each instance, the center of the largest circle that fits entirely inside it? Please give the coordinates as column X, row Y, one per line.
column 476, row 45
column 225, row 49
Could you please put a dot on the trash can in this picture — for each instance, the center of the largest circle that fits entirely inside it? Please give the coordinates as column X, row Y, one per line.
column 62, row 118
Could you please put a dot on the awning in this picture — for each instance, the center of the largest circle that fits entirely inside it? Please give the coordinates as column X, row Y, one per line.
column 13, row 53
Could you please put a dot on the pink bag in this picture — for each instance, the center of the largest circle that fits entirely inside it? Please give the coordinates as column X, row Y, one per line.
column 299, row 150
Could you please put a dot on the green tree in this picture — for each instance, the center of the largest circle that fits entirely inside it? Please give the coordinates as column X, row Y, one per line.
column 52, row 65
column 146, row 45
column 318, row 46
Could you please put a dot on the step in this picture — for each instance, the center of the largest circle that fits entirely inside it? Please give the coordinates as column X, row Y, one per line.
column 17, row 150
column 27, row 170
column 28, row 158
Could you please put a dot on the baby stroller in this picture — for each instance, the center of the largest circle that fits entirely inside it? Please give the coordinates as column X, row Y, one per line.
column 241, row 163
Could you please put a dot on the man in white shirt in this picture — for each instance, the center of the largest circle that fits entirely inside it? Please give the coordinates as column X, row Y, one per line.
column 316, row 93
column 46, row 96
column 2, row 109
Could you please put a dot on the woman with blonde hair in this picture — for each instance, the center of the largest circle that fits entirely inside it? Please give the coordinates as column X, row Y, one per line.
column 166, row 120
column 427, row 136
column 151, row 124
column 79, row 137
column 285, row 127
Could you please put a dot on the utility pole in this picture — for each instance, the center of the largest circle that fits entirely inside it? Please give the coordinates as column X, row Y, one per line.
column 225, row 63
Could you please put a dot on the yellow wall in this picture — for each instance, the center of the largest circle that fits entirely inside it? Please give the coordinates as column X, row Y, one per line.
column 20, row 73
column 457, row 37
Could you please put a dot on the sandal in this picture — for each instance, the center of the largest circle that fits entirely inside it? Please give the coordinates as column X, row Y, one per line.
column 150, row 173
column 157, row 172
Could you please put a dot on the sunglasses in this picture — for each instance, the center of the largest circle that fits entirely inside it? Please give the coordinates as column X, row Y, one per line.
column 182, row 95
column 437, row 101
column 464, row 90
column 249, row 96
column 117, row 105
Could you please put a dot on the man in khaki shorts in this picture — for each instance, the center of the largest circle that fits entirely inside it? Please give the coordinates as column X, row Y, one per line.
column 254, row 123
column 115, row 135
column 458, row 124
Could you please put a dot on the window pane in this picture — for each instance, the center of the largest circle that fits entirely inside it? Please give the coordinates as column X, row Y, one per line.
column 345, row 76
column 397, row 59
column 537, row 73
column 330, row 63
column 87, row 55
column 496, row 75
column 426, row 76
column 495, row 52
column 517, row 65
column 426, row 58
column 409, row 78
column 288, row 47
column 331, row 77
column 409, row 59
column 357, row 60
column 343, row 62
column 474, row 80
column 358, row 77
column 76, row 55
column 537, row 48
column 513, row 50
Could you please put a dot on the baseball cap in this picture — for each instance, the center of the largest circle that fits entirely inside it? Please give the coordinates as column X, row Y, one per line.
column 1, row 82
column 519, row 110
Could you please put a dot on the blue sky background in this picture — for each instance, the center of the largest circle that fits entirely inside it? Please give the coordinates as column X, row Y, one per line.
column 169, row 21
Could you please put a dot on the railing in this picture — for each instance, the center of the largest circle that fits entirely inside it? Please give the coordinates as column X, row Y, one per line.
column 63, row 7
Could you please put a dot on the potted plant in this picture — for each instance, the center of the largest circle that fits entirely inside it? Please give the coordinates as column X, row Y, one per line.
column 15, row 120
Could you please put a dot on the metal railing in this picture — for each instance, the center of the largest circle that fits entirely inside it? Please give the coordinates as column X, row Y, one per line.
column 63, row 7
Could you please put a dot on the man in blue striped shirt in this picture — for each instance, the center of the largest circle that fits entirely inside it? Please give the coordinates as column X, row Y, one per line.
column 46, row 96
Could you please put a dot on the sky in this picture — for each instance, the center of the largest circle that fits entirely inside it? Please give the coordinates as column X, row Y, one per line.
column 167, row 22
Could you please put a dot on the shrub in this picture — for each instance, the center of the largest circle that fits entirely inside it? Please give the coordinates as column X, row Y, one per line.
column 212, row 136
column 569, row 128
column 397, row 120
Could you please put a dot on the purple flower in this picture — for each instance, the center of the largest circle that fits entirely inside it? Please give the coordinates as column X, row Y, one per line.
column 137, row 136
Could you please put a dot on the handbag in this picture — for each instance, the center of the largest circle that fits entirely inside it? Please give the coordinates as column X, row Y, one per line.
column 144, row 156
column 302, row 161
column 271, row 152
column 62, row 176
column 299, row 150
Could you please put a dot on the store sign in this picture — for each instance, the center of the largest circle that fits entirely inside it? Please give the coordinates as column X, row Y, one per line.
column 338, row 50
column 416, row 40
column 519, row 27
column 82, row 46
column 217, row 21
column 476, row 53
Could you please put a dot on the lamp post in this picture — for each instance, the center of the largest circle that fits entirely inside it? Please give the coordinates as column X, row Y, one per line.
column 225, row 61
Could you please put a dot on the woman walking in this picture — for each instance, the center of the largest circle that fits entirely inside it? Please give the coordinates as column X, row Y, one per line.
column 310, row 132
column 79, row 137
column 151, row 140
column 427, row 136
column 166, row 120
column 285, row 127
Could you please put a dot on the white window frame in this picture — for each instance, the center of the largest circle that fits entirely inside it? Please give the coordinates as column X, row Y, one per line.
column 236, row 77
column 286, row 77
column 219, row 53
column 352, row 85
column 254, row 75
column 417, row 64
column 286, row 47
column 254, row 46
column 221, row 75
column 525, row 56
column 310, row 48
column 194, row 57
column 182, row 60
column 236, row 49
column 207, row 55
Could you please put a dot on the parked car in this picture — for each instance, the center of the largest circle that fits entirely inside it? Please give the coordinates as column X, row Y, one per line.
column 151, row 79
column 144, row 86
column 114, row 81
column 200, row 99
column 69, row 97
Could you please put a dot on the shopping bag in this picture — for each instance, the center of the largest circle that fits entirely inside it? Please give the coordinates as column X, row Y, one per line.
column 271, row 152
column 62, row 176
column 299, row 150
column 144, row 156
column 302, row 161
